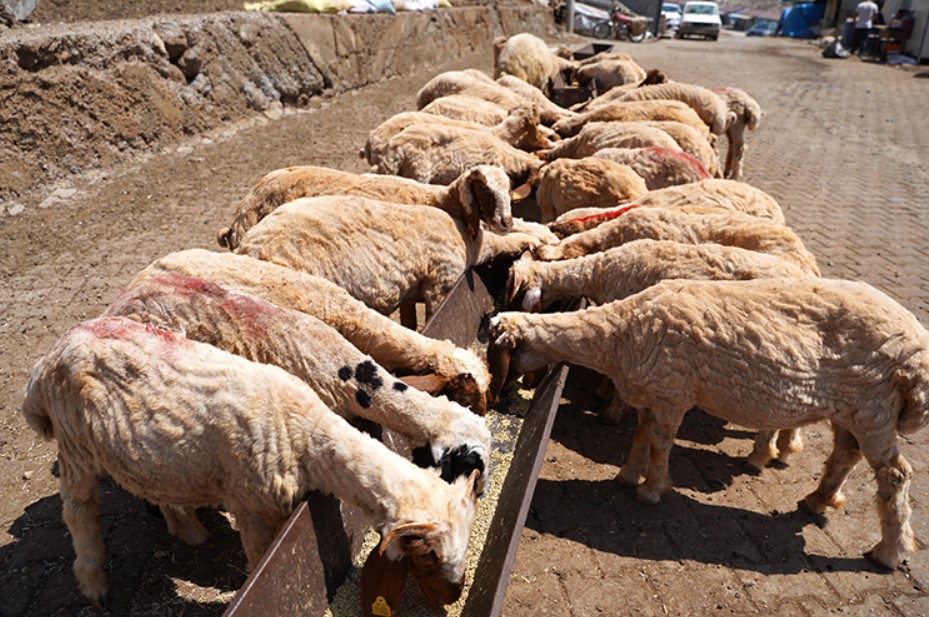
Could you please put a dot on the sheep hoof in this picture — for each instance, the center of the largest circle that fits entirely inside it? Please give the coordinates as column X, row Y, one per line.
column 629, row 478
column 647, row 496
column 886, row 558
column 757, row 463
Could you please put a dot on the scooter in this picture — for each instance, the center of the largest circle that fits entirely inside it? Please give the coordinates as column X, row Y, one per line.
column 619, row 26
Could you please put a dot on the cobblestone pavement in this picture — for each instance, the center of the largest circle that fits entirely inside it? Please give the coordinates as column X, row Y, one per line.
column 843, row 148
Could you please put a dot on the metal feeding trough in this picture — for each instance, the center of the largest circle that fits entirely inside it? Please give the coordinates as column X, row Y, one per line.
column 591, row 49
column 313, row 554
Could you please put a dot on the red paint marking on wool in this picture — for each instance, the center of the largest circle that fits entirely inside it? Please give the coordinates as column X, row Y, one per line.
column 605, row 216
column 680, row 154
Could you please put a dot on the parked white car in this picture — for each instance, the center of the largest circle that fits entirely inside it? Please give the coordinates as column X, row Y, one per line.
column 672, row 15
column 700, row 18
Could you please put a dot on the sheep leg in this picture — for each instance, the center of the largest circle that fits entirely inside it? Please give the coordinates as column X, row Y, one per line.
column 894, row 475
column 257, row 532
column 616, row 409
column 663, row 428
column 764, row 451
column 736, row 151
column 80, row 513
column 845, row 455
column 789, row 441
column 636, row 467
column 408, row 315
column 183, row 524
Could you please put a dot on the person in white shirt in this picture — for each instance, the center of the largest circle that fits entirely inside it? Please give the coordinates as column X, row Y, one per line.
column 864, row 21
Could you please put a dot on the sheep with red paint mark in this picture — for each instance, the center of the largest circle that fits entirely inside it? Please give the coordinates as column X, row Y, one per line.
column 347, row 381
column 183, row 424
column 459, row 373
column 659, row 167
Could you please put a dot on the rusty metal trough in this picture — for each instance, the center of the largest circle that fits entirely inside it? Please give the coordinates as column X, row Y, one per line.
column 313, row 554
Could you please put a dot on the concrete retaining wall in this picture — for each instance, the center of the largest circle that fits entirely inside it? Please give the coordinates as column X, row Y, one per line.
column 80, row 96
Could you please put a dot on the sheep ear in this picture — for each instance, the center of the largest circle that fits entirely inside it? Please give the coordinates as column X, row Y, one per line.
column 515, row 282
column 498, row 362
column 472, row 485
column 433, row 383
column 470, row 208
column 520, row 192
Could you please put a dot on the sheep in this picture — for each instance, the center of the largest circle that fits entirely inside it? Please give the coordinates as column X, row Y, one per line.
column 183, row 424
column 693, row 142
column 549, row 111
column 690, row 225
column 346, row 380
column 386, row 256
column 520, row 129
column 622, row 271
column 467, row 108
column 707, row 104
column 767, row 354
column 468, row 84
column 660, row 168
column 633, row 111
column 713, row 193
column 566, row 184
column 460, row 374
column 439, row 154
column 479, row 194
column 609, row 72
column 528, row 57
column 596, row 136
column 744, row 112
column 652, row 77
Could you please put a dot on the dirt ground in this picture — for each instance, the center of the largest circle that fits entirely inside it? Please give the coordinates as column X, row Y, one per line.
column 842, row 148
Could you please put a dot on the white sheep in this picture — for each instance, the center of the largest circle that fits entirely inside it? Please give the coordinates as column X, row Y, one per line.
column 548, row 110
column 660, row 168
column 712, row 109
column 633, row 111
column 622, row 271
column 468, row 108
column 608, row 73
column 479, row 194
column 566, row 184
column 388, row 256
column 767, row 354
column 712, row 193
column 437, row 154
column 461, row 375
column 467, row 84
column 183, row 424
column 744, row 113
column 346, row 380
column 693, row 142
column 528, row 57
column 595, row 136
column 690, row 225
column 519, row 129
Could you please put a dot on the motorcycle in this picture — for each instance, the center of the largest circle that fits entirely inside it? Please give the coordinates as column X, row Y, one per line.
column 621, row 26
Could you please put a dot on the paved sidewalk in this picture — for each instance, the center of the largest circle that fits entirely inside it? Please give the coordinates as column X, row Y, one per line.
column 844, row 148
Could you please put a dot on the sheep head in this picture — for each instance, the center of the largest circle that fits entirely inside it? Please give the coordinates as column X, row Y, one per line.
column 436, row 551
column 522, row 129
column 484, row 194
column 461, row 388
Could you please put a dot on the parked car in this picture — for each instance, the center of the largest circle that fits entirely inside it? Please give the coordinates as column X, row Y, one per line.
column 672, row 15
column 700, row 18
column 763, row 28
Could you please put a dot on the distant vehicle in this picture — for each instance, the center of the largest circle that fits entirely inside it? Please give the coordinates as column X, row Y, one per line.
column 763, row 28
column 672, row 15
column 700, row 18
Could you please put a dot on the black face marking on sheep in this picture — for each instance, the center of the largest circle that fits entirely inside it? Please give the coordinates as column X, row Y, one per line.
column 345, row 373
column 455, row 463
column 363, row 398
column 366, row 373
column 399, row 386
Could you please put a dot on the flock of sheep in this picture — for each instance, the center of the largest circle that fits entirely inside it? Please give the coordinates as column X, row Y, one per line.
column 231, row 378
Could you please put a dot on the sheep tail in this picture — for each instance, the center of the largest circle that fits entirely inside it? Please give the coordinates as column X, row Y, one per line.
column 35, row 411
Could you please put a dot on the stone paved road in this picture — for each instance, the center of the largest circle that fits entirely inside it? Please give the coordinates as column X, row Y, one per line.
column 844, row 148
